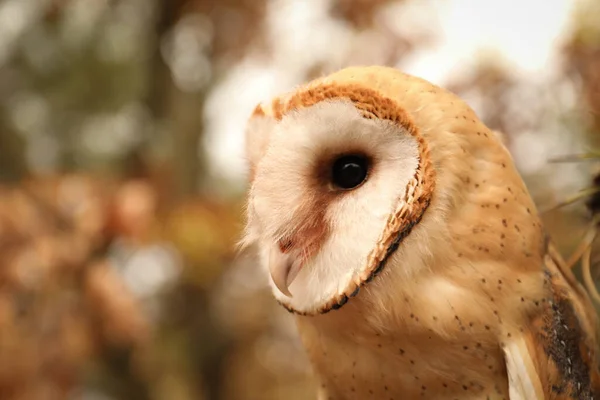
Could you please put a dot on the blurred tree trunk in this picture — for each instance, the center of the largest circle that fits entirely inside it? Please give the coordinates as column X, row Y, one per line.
column 13, row 165
column 159, row 76
column 180, row 115
column 187, row 126
column 178, row 112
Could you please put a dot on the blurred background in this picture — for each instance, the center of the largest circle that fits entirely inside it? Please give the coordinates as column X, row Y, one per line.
column 122, row 173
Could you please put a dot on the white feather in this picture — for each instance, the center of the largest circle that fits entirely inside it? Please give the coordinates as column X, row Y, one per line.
column 523, row 383
column 357, row 218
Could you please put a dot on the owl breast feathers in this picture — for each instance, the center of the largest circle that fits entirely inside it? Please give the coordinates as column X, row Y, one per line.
column 393, row 223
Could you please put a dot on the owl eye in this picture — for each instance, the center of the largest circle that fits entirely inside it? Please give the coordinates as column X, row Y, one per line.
column 349, row 171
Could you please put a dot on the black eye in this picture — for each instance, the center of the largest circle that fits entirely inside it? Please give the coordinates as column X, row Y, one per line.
column 349, row 171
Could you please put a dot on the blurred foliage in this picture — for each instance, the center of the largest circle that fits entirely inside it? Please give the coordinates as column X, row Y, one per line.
column 61, row 300
column 119, row 276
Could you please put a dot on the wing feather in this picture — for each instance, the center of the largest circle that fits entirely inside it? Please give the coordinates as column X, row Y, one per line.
column 556, row 356
column 523, row 379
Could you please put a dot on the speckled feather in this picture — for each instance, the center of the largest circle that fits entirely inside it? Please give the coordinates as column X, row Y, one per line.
column 474, row 303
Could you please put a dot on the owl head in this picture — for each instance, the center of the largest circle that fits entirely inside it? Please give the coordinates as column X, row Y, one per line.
column 355, row 175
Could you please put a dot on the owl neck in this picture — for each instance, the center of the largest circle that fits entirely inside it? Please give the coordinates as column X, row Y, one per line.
column 427, row 330
column 387, row 350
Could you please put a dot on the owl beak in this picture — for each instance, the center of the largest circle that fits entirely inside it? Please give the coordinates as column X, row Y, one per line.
column 284, row 268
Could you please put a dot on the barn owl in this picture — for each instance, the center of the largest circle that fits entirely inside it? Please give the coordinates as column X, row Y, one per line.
column 395, row 226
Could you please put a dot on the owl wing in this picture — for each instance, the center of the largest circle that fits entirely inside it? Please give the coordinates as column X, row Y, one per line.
column 555, row 357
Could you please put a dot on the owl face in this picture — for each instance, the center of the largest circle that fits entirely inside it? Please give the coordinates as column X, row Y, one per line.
column 333, row 189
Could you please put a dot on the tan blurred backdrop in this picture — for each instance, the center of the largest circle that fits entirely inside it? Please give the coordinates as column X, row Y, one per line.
column 122, row 178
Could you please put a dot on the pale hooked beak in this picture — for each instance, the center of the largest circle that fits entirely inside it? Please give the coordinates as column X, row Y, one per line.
column 284, row 268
